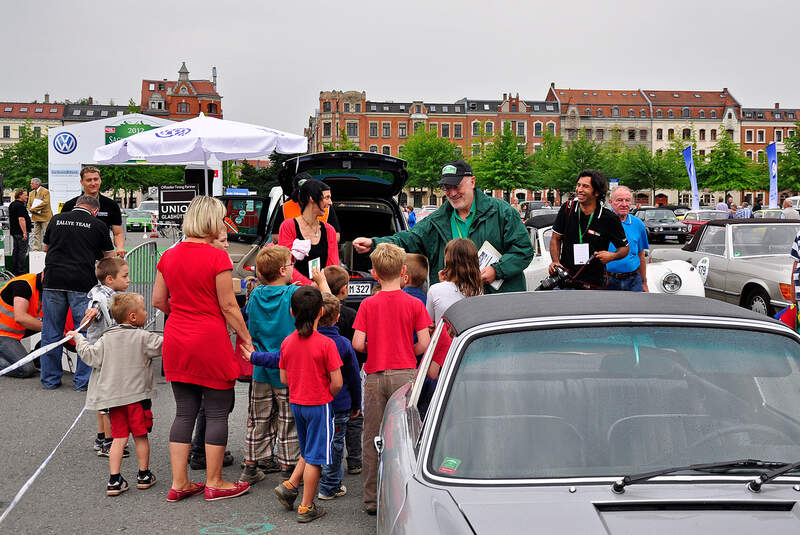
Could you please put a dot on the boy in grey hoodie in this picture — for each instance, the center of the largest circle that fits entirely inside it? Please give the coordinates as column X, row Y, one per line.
column 122, row 378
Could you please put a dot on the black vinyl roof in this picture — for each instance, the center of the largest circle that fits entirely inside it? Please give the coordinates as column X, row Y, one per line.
column 480, row 310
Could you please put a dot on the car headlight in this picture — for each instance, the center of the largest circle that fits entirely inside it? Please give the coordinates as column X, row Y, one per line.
column 659, row 229
column 671, row 283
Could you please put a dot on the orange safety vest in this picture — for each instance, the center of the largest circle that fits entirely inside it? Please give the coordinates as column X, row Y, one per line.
column 291, row 210
column 8, row 325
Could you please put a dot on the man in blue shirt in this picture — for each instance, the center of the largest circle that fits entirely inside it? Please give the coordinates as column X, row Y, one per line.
column 629, row 273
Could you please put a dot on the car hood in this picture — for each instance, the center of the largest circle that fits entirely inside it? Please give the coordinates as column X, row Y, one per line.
column 652, row 509
column 349, row 174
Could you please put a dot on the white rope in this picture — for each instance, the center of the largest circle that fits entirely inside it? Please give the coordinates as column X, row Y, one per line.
column 39, row 352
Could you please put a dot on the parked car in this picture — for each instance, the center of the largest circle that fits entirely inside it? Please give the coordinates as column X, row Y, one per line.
column 424, row 211
column 678, row 209
column 768, row 213
column 662, row 225
column 529, row 208
column 149, row 206
column 597, row 412
column 138, row 220
column 363, row 188
column 749, row 262
column 694, row 219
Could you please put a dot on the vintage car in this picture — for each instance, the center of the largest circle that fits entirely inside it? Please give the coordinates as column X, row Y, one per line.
column 694, row 219
column 138, row 220
column 662, row 225
column 749, row 262
column 768, row 213
column 677, row 277
column 597, row 412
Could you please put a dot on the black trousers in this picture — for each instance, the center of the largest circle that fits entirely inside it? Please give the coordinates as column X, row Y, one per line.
column 19, row 264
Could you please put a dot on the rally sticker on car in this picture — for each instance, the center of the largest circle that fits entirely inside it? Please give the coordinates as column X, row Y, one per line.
column 450, row 465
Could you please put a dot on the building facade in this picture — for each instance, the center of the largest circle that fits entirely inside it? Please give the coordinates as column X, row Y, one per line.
column 183, row 98
column 41, row 115
column 762, row 126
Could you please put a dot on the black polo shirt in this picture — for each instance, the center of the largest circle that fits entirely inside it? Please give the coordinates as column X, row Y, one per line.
column 16, row 210
column 75, row 240
column 605, row 228
column 109, row 212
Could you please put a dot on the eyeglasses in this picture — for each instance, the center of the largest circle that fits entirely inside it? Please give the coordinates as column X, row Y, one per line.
column 289, row 265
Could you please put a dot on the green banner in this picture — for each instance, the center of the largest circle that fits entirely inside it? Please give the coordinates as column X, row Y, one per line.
column 115, row 133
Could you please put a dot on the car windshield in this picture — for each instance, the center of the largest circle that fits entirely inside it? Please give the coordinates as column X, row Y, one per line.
column 242, row 217
column 766, row 239
column 139, row 214
column 659, row 215
column 148, row 205
column 611, row 400
column 708, row 216
column 680, row 211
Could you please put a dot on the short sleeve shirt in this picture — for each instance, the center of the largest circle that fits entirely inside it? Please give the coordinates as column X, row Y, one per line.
column 636, row 233
column 390, row 319
column 109, row 212
column 16, row 210
column 603, row 230
column 74, row 240
column 308, row 363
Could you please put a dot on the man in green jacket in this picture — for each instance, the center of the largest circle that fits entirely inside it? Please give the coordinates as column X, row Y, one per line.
column 469, row 213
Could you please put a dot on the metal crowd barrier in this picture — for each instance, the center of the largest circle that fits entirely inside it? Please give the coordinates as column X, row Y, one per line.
column 142, row 261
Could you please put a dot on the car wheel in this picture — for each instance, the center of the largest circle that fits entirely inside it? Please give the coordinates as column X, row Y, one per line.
column 758, row 301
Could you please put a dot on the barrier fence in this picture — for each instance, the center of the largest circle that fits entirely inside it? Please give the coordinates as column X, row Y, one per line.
column 142, row 262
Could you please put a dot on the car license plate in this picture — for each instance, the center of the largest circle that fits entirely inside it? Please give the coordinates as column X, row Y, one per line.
column 359, row 288
column 136, row 225
column 671, row 237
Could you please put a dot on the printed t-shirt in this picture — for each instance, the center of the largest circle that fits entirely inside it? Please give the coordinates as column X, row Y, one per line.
column 636, row 233
column 109, row 212
column 197, row 348
column 308, row 363
column 270, row 321
column 74, row 240
column 390, row 319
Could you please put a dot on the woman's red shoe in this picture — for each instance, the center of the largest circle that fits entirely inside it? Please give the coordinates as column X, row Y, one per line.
column 175, row 495
column 238, row 489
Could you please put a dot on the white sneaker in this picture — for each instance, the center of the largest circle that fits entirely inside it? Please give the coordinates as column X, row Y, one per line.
column 338, row 494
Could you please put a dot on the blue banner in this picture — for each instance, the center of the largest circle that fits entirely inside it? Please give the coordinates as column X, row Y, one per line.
column 772, row 161
column 687, row 157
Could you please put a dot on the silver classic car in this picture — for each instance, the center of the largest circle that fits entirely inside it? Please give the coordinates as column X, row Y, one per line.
column 749, row 262
column 597, row 412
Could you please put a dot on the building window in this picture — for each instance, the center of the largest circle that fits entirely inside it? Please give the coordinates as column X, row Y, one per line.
column 730, row 133
column 212, row 108
column 670, row 114
column 552, row 128
column 37, row 131
column 748, row 136
column 659, row 134
column 387, row 150
column 419, row 125
column 686, row 134
column 588, row 133
column 326, row 129
column 713, row 134
column 373, row 107
column 702, row 114
column 476, row 149
column 631, row 135
column 347, row 107
column 399, row 149
column 701, row 152
column 39, row 110
column 760, row 156
column 730, row 115
column 402, row 129
column 489, row 128
column 434, row 127
column 778, row 135
column 790, row 115
column 352, row 129
column 152, row 86
column 445, row 108
column 713, row 114
column 183, row 107
column 326, row 107
column 89, row 112
column 599, row 134
column 599, row 112
column 749, row 154
column 457, row 130
column 571, row 133
column 642, row 135
column 702, row 134
column 373, row 129
column 446, row 130
column 588, row 112
column 358, row 108
column 373, row 148
column 759, row 136
column 387, row 129
column 614, row 112
column 521, row 147
column 417, row 108
column 521, row 128
column 161, row 87
column 670, row 134
column 458, row 109
column 642, row 113
column 6, row 132
column 631, row 113
column 402, row 107
column 476, row 128
column 537, row 129
column 790, row 133
column 685, row 112
column 659, row 113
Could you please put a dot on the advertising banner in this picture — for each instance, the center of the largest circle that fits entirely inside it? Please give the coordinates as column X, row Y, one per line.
column 772, row 161
column 687, row 157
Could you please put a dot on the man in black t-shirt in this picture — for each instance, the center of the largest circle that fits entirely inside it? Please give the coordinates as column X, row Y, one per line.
column 109, row 212
column 582, row 231
column 21, row 316
column 73, row 242
column 19, row 223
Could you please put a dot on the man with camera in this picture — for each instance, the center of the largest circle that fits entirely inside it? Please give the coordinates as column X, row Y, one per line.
column 582, row 233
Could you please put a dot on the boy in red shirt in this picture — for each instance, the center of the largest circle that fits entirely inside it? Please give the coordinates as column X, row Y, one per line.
column 310, row 365
column 384, row 329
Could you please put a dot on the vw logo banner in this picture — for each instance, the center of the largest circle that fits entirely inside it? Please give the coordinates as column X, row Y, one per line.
column 65, row 143
column 173, row 132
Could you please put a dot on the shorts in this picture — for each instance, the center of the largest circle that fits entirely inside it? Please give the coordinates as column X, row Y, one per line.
column 314, row 425
column 133, row 419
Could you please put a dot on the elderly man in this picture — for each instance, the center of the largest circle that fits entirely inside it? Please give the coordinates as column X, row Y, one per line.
column 109, row 212
column 41, row 212
column 789, row 211
column 469, row 213
column 629, row 273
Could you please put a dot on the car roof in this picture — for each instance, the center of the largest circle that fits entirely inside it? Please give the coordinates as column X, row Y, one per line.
column 540, row 220
column 484, row 309
column 692, row 245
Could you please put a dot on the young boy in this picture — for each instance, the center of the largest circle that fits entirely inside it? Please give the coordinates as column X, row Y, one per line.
column 112, row 277
column 384, row 328
column 311, row 366
column 270, row 322
column 347, row 402
column 416, row 276
column 122, row 379
column 338, row 280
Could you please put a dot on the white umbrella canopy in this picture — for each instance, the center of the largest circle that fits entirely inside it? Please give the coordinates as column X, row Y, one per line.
column 198, row 139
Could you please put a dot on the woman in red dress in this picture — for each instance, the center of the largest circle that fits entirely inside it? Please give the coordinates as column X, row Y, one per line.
column 194, row 286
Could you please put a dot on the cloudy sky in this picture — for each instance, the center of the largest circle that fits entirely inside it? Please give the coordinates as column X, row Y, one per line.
column 273, row 57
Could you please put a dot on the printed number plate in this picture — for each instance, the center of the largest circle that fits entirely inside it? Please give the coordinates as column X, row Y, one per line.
column 360, row 288
column 671, row 237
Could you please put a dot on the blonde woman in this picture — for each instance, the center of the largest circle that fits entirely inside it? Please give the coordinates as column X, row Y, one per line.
column 194, row 285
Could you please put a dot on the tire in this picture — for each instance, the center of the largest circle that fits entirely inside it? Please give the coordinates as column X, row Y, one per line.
column 757, row 300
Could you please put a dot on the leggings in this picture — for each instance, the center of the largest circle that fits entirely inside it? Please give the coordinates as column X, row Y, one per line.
column 217, row 403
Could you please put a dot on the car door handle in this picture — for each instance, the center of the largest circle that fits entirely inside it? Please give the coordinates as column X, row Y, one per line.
column 378, row 442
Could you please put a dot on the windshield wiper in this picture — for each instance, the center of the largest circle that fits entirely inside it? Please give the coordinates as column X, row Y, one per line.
column 755, row 485
column 619, row 486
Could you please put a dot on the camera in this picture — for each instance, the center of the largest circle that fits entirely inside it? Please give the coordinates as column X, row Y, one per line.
column 558, row 279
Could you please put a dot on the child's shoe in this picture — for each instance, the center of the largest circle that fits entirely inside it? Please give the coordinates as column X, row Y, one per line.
column 105, row 450
column 98, row 444
column 341, row 491
column 307, row 514
column 251, row 474
column 286, row 495
column 145, row 480
column 115, row 488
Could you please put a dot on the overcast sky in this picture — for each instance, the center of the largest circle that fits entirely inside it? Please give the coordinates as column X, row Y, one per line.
column 274, row 56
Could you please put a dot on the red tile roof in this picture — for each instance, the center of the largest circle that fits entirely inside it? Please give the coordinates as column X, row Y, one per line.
column 14, row 110
column 595, row 97
column 691, row 98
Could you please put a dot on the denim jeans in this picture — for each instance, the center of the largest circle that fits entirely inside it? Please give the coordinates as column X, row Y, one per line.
column 11, row 350
column 332, row 474
column 631, row 284
column 19, row 256
column 55, row 304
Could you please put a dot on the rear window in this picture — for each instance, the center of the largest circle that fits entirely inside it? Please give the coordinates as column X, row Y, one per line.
column 242, row 217
column 377, row 176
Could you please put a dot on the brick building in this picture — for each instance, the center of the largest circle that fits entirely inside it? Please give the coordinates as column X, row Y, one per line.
column 762, row 126
column 183, row 98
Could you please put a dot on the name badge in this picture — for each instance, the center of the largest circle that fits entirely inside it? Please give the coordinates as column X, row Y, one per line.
column 580, row 253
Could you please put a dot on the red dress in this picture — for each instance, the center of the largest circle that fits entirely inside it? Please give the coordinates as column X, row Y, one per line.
column 197, row 347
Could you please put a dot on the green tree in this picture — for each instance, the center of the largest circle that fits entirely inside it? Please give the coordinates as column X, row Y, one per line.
column 504, row 165
column 344, row 143
column 263, row 179
column 641, row 169
column 580, row 153
column 426, row 153
column 547, row 160
column 131, row 178
column 789, row 163
column 727, row 168
column 25, row 159
column 612, row 153
column 133, row 107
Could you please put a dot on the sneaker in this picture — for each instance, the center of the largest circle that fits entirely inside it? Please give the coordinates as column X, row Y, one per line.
column 337, row 494
column 354, row 469
column 146, row 481
column 197, row 463
column 117, row 488
column 214, row 494
column 98, row 444
column 307, row 514
column 269, row 466
column 227, row 459
column 105, row 450
column 251, row 474
column 286, row 495
column 175, row 495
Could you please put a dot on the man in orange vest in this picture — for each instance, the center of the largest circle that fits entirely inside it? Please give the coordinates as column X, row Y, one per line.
column 20, row 316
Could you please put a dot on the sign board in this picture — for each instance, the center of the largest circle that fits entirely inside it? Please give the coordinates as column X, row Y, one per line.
column 173, row 201
column 612, row 183
column 237, row 191
column 121, row 131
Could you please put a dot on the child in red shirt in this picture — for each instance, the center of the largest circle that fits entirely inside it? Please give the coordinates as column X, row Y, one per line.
column 384, row 329
column 311, row 367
